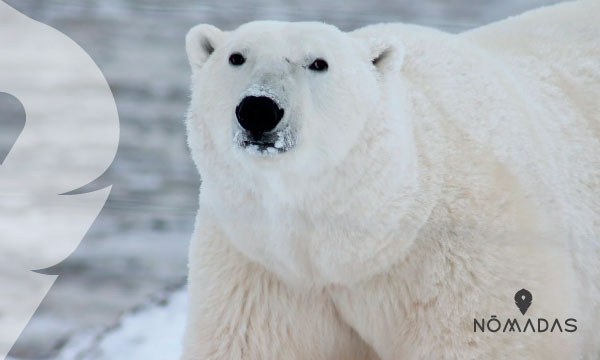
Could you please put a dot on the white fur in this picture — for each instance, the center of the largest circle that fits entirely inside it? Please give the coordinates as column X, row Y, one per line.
column 422, row 192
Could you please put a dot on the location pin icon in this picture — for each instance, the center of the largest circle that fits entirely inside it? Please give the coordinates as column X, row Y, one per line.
column 523, row 300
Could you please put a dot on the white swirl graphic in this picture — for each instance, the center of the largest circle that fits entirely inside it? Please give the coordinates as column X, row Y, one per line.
column 69, row 139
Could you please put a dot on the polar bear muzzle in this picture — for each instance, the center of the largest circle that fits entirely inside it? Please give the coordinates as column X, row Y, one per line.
column 258, row 115
column 260, row 130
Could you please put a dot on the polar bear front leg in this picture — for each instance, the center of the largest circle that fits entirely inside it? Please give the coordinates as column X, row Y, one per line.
column 238, row 310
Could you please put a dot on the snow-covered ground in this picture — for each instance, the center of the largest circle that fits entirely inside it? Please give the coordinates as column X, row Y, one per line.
column 137, row 248
column 151, row 332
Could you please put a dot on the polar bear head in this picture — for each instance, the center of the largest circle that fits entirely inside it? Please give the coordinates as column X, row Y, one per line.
column 297, row 129
column 291, row 96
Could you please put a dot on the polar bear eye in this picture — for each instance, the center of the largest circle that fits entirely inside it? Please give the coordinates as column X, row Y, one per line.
column 319, row 65
column 236, row 59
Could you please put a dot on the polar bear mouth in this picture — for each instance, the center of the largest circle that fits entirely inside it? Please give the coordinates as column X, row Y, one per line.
column 267, row 144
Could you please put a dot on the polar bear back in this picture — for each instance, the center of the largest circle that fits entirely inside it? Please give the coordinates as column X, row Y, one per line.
column 563, row 41
column 555, row 52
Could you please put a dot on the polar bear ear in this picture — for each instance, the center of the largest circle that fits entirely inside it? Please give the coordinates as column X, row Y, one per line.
column 200, row 42
column 385, row 53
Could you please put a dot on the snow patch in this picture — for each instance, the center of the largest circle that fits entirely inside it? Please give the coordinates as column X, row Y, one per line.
column 152, row 332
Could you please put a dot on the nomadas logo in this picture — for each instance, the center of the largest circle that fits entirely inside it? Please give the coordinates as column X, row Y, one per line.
column 523, row 300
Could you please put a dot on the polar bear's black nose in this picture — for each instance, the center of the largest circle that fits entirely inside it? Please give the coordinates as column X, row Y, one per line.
column 258, row 114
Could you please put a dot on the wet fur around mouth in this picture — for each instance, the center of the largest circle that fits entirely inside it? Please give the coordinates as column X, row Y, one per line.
column 273, row 143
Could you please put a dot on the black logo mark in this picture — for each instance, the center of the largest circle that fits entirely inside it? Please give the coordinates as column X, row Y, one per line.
column 523, row 300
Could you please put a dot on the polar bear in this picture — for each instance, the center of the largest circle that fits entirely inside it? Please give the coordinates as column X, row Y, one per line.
column 385, row 193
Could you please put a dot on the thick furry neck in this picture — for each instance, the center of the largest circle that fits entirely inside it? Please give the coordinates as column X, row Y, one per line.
column 357, row 218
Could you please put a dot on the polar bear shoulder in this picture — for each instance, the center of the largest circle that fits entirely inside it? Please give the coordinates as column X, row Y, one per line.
column 568, row 30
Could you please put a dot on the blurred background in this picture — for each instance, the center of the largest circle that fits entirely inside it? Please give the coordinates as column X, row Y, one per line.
column 134, row 256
